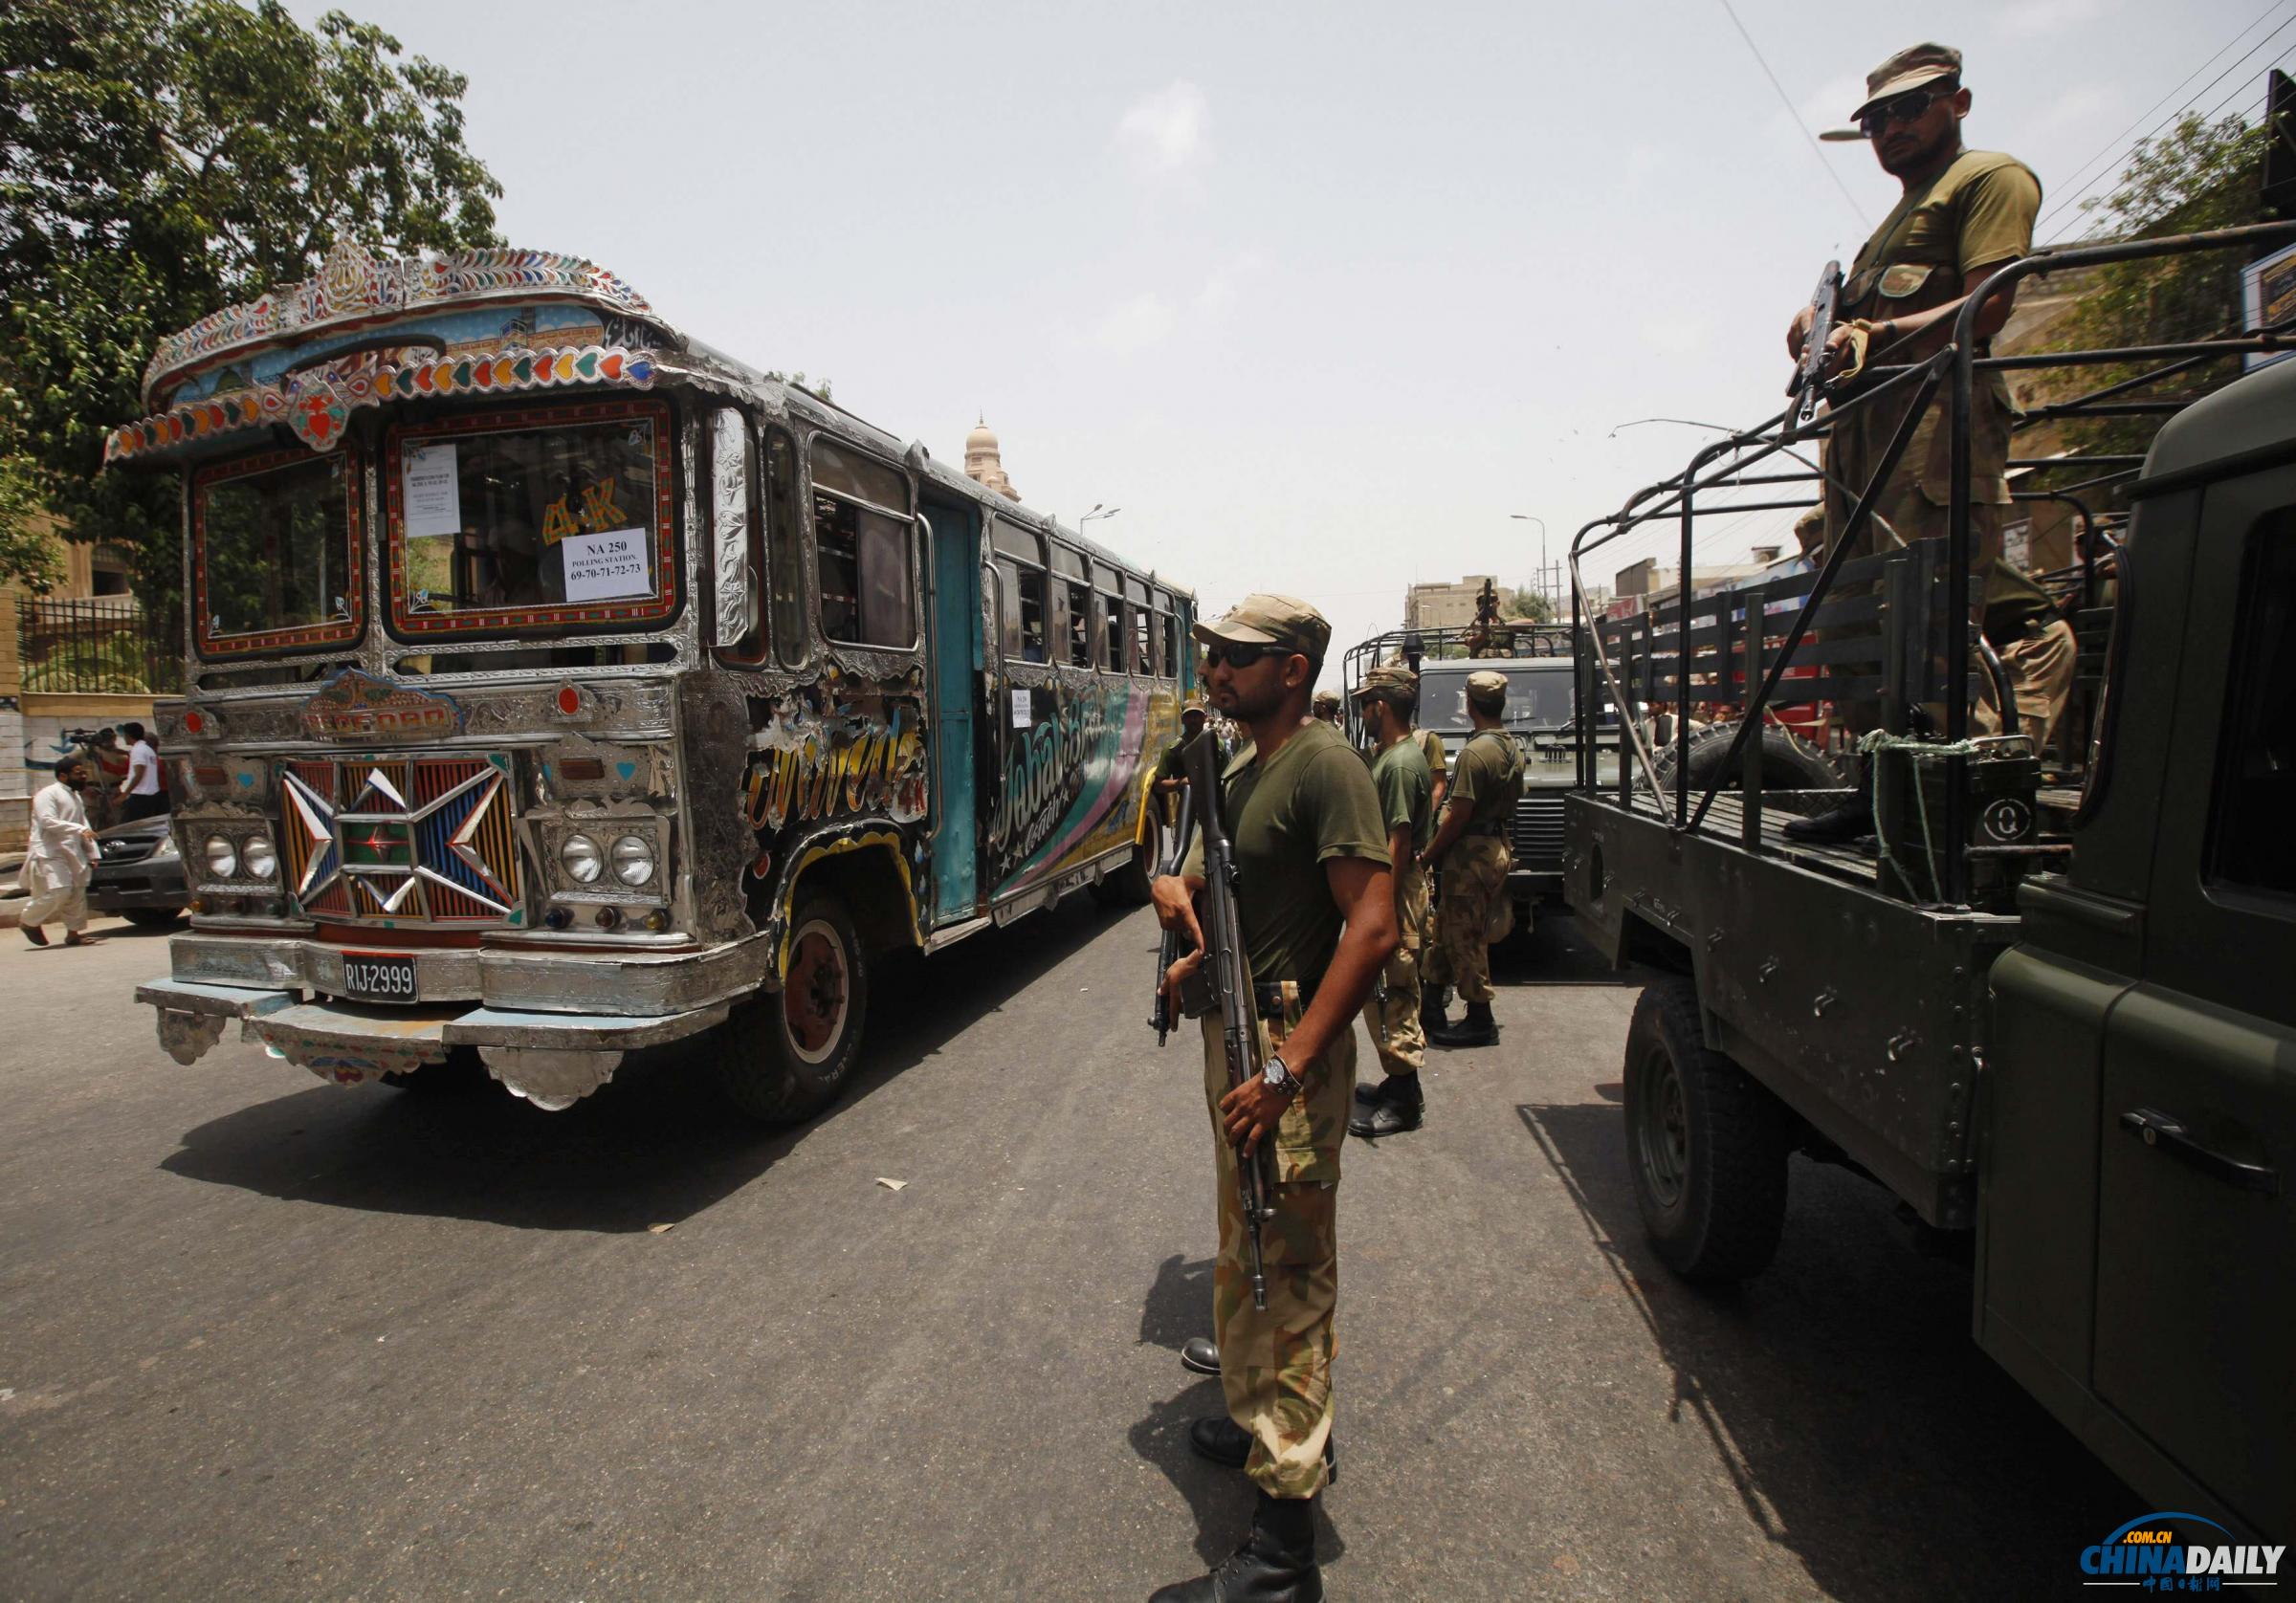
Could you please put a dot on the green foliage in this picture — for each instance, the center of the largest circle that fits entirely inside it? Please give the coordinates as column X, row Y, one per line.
column 1526, row 600
column 28, row 555
column 161, row 158
column 798, row 380
column 2200, row 176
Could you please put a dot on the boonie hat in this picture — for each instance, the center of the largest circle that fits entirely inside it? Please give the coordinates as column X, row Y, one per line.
column 1266, row 619
column 1486, row 685
column 1908, row 68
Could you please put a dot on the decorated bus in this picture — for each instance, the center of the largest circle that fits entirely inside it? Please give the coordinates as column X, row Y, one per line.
column 558, row 686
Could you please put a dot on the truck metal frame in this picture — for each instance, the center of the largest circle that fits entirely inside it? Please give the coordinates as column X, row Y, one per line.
column 1896, row 1014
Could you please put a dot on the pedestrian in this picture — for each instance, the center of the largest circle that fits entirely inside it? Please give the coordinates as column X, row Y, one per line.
column 1170, row 776
column 1961, row 215
column 1399, row 773
column 1470, row 846
column 1327, row 706
column 1315, row 901
column 59, row 858
column 141, row 795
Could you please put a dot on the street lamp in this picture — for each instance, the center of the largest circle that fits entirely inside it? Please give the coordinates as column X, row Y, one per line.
column 1545, row 587
column 1095, row 513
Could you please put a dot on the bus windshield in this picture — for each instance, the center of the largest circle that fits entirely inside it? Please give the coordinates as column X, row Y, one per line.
column 274, row 542
column 552, row 518
column 1538, row 696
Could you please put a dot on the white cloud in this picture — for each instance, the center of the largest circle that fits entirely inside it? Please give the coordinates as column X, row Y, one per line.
column 2029, row 19
column 1167, row 130
column 1219, row 289
column 1144, row 320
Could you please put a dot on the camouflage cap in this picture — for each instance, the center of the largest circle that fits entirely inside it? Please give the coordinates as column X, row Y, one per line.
column 1193, row 710
column 1487, row 685
column 1388, row 676
column 1326, row 701
column 1265, row 619
column 1908, row 68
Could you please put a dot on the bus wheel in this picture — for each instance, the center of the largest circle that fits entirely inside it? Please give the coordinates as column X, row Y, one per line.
column 1707, row 1144
column 786, row 1053
column 1128, row 885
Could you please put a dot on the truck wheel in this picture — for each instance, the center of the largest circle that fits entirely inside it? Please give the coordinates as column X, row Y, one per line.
column 1788, row 762
column 784, row 1054
column 1707, row 1144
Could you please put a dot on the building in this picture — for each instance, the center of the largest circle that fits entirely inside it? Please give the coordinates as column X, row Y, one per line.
column 1444, row 606
column 985, row 461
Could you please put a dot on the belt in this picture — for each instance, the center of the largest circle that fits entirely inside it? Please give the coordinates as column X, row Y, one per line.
column 1267, row 998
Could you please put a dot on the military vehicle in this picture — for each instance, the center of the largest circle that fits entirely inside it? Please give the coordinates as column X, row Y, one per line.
column 2050, row 1009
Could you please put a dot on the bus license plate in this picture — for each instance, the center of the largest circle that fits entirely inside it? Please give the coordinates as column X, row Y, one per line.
column 378, row 975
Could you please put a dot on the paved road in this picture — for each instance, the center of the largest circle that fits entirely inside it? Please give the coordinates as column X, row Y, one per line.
column 265, row 1338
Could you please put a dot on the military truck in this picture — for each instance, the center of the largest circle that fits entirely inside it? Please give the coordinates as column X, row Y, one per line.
column 1541, row 707
column 2052, row 1011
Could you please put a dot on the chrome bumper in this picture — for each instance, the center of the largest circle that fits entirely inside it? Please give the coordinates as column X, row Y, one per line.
column 633, row 984
column 553, row 1059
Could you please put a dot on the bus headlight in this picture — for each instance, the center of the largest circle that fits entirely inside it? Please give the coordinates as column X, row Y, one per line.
column 223, row 862
column 633, row 860
column 580, row 857
column 262, row 862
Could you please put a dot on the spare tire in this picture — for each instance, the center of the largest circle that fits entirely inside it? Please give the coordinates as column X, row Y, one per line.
column 1788, row 762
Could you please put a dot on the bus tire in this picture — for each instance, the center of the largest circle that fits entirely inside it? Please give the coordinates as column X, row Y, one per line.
column 1707, row 1144
column 1788, row 762
column 786, row 1053
column 1128, row 885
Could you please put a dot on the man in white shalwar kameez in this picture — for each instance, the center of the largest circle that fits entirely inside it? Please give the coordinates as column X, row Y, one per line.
column 60, row 858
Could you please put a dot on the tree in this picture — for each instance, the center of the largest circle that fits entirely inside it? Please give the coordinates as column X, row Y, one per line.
column 161, row 158
column 1527, row 600
column 2200, row 175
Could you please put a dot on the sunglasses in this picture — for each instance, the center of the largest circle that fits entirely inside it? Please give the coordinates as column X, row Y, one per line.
column 1240, row 655
column 1904, row 108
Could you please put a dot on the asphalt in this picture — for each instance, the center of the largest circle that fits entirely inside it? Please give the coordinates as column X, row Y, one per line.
column 262, row 1337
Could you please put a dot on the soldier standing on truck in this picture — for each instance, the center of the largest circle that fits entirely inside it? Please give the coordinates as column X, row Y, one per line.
column 1471, row 847
column 1399, row 773
column 1964, row 214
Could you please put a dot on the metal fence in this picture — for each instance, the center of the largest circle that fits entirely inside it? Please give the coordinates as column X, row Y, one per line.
column 108, row 644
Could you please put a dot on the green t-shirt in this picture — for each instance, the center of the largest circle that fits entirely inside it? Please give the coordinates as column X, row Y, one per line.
column 1169, row 766
column 1314, row 800
column 1405, row 788
column 1487, row 776
column 1977, row 213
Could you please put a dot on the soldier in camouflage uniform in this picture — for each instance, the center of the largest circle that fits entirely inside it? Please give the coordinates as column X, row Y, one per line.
column 1471, row 844
column 1327, row 706
column 1434, row 981
column 1317, row 906
column 1399, row 773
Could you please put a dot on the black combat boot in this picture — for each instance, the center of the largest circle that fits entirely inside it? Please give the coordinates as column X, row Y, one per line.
column 1478, row 1029
column 1432, row 1000
column 1838, row 826
column 1275, row 1564
column 1399, row 1105
column 1200, row 1354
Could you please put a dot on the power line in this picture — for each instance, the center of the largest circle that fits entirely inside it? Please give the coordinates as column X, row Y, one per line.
column 2114, row 142
column 2182, row 110
column 2208, row 117
column 1792, row 111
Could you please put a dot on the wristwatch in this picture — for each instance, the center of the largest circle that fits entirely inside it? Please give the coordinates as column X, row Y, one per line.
column 1278, row 1076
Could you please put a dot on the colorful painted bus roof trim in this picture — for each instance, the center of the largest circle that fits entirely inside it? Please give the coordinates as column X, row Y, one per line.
column 353, row 286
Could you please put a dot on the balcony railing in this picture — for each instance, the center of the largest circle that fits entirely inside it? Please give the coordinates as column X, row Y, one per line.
column 109, row 644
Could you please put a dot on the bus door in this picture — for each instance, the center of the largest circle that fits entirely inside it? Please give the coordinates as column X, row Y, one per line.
column 955, row 690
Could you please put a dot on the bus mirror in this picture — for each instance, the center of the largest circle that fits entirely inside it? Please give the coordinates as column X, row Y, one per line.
column 729, row 528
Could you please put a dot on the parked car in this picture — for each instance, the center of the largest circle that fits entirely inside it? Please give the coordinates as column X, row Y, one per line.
column 140, row 874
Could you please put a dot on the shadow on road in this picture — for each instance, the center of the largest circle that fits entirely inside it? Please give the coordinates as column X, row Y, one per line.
column 654, row 1147
column 1864, row 1428
column 1179, row 1306
column 1553, row 952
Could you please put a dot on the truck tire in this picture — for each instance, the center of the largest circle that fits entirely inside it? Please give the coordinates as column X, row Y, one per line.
column 1788, row 762
column 784, row 1055
column 1707, row 1144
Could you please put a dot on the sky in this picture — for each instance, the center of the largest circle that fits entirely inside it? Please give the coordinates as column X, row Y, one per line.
column 1318, row 296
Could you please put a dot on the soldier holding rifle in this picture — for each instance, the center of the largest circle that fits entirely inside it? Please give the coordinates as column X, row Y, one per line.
column 1964, row 214
column 1314, row 904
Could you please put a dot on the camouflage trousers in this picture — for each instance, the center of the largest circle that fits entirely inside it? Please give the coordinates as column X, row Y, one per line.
column 1275, row 1364
column 1392, row 1014
column 1475, row 911
column 2040, row 674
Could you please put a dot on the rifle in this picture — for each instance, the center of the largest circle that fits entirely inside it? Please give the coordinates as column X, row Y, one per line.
column 1809, row 373
column 1230, row 982
column 1159, row 1018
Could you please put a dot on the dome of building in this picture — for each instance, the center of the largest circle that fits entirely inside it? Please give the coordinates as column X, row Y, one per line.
column 985, row 462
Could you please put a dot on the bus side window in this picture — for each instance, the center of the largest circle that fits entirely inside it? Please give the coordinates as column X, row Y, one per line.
column 1009, row 625
column 1111, row 655
column 1143, row 642
column 785, row 558
column 1080, row 625
column 862, row 549
column 1020, row 559
column 1171, row 647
